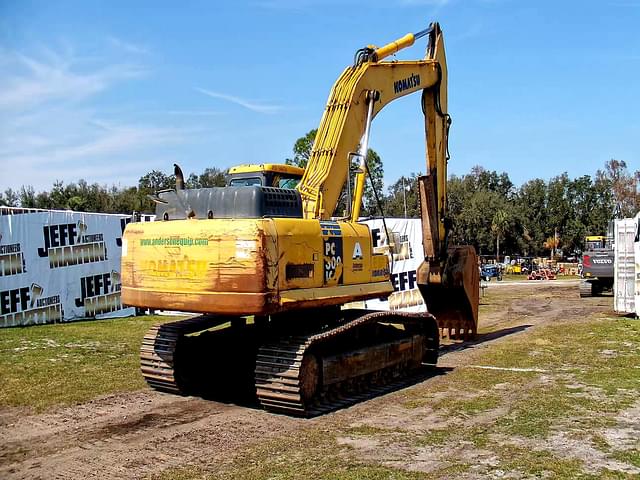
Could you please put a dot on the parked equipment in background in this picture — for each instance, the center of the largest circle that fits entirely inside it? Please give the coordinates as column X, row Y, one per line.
column 489, row 271
column 542, row 274
column 276, row 256
column 597, row 265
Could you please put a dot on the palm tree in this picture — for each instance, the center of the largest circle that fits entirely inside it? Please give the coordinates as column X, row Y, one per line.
column 499, row 226
column 552, row 243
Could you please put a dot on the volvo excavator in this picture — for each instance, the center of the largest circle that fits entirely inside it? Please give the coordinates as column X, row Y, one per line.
column 270, row 270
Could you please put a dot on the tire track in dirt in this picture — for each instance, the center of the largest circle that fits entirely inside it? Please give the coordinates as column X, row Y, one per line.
column 135, row 435
column 158, row 431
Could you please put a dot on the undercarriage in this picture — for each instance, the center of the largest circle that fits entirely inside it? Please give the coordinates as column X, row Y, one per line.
column 303, row 363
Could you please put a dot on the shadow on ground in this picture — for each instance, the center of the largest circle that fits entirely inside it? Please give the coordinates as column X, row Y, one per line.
column 219, row 366
column 482, row 338
column 221, row 372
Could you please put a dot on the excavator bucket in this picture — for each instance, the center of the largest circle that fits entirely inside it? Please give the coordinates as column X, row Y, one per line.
column 449, row 284
column 452, row 293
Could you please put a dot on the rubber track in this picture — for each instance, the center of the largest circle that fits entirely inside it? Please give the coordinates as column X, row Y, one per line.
column 586, row 289
column 158, row 351
column 278, row 378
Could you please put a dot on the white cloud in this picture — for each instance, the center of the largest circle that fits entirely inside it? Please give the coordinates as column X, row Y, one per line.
column 195, row 113
column 35, row 81
column 114, row 148
column 119, row 140
column 42, row 177
column 51, row 128
column 128, row 46
column 248, row 104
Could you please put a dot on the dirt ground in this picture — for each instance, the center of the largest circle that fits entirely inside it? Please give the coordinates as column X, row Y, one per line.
column 144, row 433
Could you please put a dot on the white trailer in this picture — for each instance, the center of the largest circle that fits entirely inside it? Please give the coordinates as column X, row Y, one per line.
column 626, row 284
column 636, row 249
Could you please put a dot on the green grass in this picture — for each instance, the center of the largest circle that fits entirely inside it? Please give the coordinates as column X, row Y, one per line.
column 538, row 463
column 631, row 456
column 311, row 454
column 580, row 393
column 599, row 354
column 590, row 374
column 42, row 366
column 435, row 437
column 582, row 381
column 468, row 406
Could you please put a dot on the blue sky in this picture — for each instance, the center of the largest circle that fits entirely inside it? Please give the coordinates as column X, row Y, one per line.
column 107, row 91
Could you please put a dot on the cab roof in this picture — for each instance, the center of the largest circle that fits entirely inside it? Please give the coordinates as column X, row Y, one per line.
column 267, row 167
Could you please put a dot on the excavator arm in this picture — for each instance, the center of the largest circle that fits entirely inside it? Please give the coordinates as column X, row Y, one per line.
column 448, row 277
column 356, row 98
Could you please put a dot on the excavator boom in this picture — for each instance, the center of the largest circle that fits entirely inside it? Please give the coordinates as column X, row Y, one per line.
column 448, row 278
column 346, row 116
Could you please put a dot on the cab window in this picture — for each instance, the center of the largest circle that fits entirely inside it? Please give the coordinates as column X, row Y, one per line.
column 288, row 182
column 245, row 182
column 593, row 244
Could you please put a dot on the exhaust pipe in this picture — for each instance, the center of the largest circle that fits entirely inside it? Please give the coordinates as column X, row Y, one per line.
column 177, row 171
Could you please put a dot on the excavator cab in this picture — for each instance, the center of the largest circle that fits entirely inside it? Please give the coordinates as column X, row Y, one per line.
column 593, row 242
column 265, row 174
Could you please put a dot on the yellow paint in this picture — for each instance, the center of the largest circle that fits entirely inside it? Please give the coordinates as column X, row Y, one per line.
column 343, row 123
column 249, row 266
column 267, row 167
column 342, row 294
column 181, row 268
column 393, row 47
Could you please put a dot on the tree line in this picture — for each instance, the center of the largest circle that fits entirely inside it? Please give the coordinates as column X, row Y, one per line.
column 486, row 209
column 86, row 197
column 489, row 212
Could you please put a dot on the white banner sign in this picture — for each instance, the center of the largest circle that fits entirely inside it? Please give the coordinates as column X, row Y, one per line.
column 407, row 257
column 59, row 266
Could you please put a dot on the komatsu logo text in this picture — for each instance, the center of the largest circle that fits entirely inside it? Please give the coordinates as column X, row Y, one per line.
column 406, row 83
column 182, row 268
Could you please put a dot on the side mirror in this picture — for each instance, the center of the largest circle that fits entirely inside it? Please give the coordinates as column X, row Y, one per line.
column 356, row 156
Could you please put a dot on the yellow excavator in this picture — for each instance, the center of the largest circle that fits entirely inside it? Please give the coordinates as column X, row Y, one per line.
column 271, row 270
